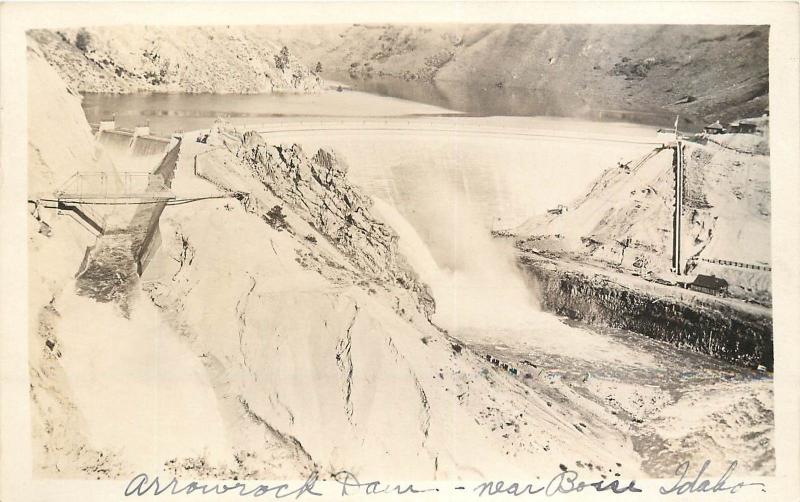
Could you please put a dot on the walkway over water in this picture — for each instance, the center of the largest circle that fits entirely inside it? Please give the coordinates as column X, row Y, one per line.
column 84, row 195
column 94, row 186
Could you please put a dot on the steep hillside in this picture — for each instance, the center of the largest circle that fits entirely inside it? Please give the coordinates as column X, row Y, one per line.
column 59, row 139
column 626, row 218
column 172, row 59
column 54, row 158
column 701, row 71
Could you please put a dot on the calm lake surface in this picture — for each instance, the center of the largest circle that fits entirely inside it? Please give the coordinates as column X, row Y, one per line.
column 170, row 112
column 489, row 100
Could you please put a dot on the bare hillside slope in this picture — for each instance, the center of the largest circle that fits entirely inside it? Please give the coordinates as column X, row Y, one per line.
column 173, row 59
column 625, row 219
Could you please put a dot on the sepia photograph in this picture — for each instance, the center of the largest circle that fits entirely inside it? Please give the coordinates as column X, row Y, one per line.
column 413, row 259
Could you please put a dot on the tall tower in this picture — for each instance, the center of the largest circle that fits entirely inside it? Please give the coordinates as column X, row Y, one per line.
column 676, row 231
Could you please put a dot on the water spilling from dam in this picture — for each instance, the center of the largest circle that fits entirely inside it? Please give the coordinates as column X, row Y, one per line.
column 115, row 142
column 271, row 286
column 144, row 146
column 445, row 192
column 446, row 189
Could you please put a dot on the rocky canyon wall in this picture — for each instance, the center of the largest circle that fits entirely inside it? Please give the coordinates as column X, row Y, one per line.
column 173, row 59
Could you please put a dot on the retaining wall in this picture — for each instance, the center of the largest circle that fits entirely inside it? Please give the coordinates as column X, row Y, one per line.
column 741, row 336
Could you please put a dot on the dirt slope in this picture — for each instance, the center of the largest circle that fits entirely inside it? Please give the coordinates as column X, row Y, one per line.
column 625, row 219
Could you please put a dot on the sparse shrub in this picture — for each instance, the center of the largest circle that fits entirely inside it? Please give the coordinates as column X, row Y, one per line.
column 276, row 219
column 153, row 78
column 311, row 239
column 83, row 39
column 282, row 59
column 151, row 54
column 318, row 68
column 635, row 70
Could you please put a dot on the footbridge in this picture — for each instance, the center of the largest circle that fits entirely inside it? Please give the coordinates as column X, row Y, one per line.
column 122, row 209
column 89, row 196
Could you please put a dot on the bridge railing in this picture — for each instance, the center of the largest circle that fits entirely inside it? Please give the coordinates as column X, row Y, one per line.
column 732, row 263
column 107, row 185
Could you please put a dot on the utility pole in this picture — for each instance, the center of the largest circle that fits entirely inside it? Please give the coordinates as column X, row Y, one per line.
column 676, row 238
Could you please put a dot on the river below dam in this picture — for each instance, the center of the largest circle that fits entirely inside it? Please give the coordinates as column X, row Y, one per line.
column 443, row 193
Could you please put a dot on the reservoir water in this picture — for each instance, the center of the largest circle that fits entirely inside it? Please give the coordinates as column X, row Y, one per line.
column 491, row 100
column 167, row 113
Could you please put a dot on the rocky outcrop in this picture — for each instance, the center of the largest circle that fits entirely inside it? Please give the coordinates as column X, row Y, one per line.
column 317, row 189
column 173, row 59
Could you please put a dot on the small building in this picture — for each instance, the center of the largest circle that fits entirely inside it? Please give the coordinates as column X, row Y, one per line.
column 709, row 284
column 742, row 127
column 561, row 209
column 715, row 128
column 141, row 130
column 107, row 125
column 666, row 134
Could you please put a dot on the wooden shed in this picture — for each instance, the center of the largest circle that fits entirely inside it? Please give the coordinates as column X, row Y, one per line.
column 709, row 284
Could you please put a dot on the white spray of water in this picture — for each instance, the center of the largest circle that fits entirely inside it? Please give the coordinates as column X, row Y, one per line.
column 473, row 277
column 140, row 390
column 483, row 297
column 443, row 193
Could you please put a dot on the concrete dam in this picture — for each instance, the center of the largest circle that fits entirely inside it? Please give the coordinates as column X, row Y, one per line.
column 137, row 142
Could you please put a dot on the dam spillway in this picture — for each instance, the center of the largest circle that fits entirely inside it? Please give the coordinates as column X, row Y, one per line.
column 144, row 146
column 132, row 143
column 125, row 246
